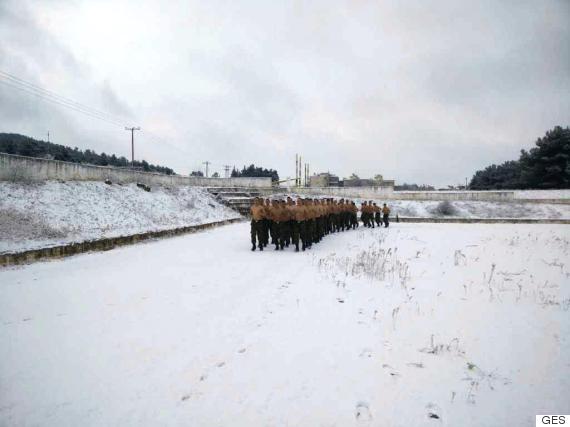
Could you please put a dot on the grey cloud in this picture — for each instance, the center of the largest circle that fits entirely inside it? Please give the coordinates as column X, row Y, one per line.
column 385, row 87
column 32, row 54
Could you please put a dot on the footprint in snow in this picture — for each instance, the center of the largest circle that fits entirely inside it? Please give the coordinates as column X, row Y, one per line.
column 393, row 373
column 362, row 413
column 416, row 364
column 433, row 411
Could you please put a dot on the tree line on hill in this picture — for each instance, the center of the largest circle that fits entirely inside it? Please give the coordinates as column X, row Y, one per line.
column 546, row 166
column 413, row 187
column 254, row 171
column 200, row 173
column 11, row 143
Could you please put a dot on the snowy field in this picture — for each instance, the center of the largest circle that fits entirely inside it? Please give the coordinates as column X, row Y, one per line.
column 468, row 209
column 416, row 325
column 542, row 194
column 51, row 213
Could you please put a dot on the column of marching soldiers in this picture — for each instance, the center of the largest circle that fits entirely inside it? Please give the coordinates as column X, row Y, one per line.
column 307, row 221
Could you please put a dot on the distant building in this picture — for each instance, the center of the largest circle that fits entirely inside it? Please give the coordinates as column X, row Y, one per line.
column 360, row 182
column 329, row 180
column 324, row 180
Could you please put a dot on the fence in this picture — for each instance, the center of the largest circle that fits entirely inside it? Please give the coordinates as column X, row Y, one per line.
column 21, row 168
column 388, row 193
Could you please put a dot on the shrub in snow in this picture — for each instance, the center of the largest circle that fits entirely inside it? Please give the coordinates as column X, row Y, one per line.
column 19, row 225
column 445, row 208
column 143, row 186
column 409, row 211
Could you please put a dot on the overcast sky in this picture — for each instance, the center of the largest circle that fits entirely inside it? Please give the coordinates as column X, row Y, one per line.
column 424, row 92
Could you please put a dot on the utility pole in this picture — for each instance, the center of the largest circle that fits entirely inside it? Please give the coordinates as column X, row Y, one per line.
column 132, row 129
column 300, row 174
column 227, row 170
column 48, row 135
column 206, row 163
column 296, row 170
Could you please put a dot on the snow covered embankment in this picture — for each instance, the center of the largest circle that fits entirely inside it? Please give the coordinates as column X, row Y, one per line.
column 468, row 209
column 53, row 213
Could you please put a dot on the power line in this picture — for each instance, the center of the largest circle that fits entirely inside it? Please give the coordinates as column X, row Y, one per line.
column 63, row 104
column 59, row 100
column 49, row 96
column 52, row 95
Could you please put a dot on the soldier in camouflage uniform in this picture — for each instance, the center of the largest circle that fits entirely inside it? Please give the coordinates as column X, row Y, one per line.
column 302, row 220
column 376, row 214
column 295, row 213
column 364, row 215
column 258, row 215
column 289, row 226
column 386, row 215
column 353, row 215
column 268, row 223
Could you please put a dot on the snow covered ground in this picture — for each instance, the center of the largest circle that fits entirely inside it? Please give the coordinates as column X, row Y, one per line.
column 464, row 209
column 542, row 194
column 52, row 213
column 415, row 325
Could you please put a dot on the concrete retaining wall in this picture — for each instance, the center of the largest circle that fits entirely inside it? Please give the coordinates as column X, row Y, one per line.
column 489, row 196
column 21, row 168
column 483, row 220
column 104, row 244
column 387, row 193
column 356, row 192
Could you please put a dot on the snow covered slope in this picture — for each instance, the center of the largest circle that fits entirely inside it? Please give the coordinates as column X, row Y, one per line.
column 463, row 209
column 414, row 325
column 542, row 194
column 50, row 213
